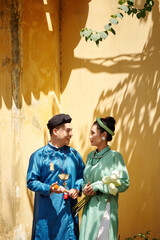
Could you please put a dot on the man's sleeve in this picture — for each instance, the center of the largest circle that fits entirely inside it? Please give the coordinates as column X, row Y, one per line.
column 34, row 176
column 79, row 174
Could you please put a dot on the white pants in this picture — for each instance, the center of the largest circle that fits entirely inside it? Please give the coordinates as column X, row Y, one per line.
column 103, row 232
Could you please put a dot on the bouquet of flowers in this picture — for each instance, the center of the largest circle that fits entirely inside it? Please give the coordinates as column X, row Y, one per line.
column 112, row 181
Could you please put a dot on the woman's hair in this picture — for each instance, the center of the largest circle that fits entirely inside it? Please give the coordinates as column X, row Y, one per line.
column 109, row 122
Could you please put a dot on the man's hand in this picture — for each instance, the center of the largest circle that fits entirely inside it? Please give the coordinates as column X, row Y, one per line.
column 73, row 193
column 88, row 190
column 61, row 189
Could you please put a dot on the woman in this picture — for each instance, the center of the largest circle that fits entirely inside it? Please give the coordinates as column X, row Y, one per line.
column 100, row 214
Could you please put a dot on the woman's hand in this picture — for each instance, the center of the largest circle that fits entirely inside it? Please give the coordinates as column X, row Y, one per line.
column 88, row 189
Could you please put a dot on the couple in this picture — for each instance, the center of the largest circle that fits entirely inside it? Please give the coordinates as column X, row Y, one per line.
column 56, row 174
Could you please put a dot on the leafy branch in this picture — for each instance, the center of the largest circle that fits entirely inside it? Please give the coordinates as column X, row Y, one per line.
column 145, row 236
column 124, row 7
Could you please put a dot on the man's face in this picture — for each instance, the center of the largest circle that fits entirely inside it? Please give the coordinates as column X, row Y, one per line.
column 64, row 134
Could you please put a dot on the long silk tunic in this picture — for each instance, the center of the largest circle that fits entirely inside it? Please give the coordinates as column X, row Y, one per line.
column 94, row 210
column 52, row 219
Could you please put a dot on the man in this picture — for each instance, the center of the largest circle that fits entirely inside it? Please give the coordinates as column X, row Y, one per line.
column 52, row 165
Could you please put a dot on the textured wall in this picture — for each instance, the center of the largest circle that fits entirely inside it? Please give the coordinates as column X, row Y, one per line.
column 29, row 96
column 46, row 68
column 119, row 78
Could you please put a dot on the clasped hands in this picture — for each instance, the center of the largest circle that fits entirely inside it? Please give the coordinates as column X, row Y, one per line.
column 73, row 193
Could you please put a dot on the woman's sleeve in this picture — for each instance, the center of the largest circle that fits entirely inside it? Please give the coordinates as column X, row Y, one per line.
column 100, row 186
column 124, row 178
column 34, row 176
column 83, row 184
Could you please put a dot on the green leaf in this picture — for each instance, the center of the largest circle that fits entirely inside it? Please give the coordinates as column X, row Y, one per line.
column 134, row 10
column 113, row 31
column 121, row 2
column 151, row 3
column 143, row 14
column 107, row 27
column 95, row 37
column 139, row 15
column 87, row 33
column 113, row 16
column 149, row 9
column 124, row 8
column 129, row 12
column 86, row 39
column 103, row 35
column 140, row 235
column 113, row 21
column 97, row 43
column 120, row 15
column 82, row 33
column 130, row 3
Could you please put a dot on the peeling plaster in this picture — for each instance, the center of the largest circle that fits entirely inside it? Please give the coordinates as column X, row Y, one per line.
column 35, row 123
column 15, row 24
column 17, row 191
column 19, row 233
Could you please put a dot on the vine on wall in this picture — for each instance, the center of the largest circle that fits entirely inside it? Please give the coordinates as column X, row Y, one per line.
column 124, row 7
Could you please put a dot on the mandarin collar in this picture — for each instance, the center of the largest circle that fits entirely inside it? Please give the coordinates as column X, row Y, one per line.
column 55, row 148
column 102, row 151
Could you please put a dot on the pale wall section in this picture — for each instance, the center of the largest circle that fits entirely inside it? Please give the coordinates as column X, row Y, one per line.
column 119, row 78
column 29, row 96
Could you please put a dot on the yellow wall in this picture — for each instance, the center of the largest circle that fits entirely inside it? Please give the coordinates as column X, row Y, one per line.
column 57, row 71
column 118, row 78
column 26, row 108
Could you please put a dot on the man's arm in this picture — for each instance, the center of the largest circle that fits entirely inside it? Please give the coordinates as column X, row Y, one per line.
column 34, row 176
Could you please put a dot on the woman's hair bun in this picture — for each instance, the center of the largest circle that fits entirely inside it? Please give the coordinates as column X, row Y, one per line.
column 110, row 121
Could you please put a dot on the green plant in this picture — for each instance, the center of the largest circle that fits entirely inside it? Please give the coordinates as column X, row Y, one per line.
column 124, row 7
column 145, row 236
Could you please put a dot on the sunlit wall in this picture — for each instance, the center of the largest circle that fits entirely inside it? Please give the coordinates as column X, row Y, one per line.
column 46, row 68
column 29, row 96
column 120, row 78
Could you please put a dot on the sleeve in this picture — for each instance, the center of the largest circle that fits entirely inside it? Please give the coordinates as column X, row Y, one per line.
column 79, row 174
column 34, row 176
column 124, row 178
column 84, row 182
column 100, row 186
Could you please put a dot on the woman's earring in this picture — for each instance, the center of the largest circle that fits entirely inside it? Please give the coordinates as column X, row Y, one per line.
column 103, row 138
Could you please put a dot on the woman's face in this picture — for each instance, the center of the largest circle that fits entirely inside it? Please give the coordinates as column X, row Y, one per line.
column 95, row 136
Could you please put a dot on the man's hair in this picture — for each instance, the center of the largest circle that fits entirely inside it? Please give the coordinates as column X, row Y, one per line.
column 57, row 120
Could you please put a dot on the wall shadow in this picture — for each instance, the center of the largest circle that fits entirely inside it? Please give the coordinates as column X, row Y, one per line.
column 31, row 53
column 138, row 114
column 36, row 74
column 70, row 38
column 138, row 120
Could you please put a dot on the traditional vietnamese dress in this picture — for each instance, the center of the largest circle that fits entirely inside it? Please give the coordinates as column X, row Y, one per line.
column 53, row 218
column 100, row 164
